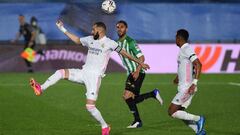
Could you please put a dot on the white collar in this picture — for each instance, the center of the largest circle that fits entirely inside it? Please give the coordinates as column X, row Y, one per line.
column 184, row 45
column 103, row 38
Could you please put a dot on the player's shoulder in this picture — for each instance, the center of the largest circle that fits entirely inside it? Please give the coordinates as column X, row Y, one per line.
column 130, row 41
column 88, row 38
column 186, row 47
column 110, row 41
column 27, row 25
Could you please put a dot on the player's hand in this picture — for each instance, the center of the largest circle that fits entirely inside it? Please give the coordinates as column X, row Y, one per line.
column 30, row 44
column 135, row 75
column 59, row 23
column 175, row 81
column 60, row 26
column 145, row 66
column 191, row 89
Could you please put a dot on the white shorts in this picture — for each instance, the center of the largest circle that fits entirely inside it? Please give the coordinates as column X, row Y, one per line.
column 91, row 80
column 183, row 98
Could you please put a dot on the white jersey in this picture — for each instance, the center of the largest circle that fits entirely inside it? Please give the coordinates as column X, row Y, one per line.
column 185, row 67
column 98, row 53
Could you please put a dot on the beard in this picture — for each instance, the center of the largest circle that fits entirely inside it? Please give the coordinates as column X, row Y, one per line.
column 121, row 34
column 96, row 36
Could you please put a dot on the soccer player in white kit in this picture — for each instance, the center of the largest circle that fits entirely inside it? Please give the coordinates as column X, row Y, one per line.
column 99, row 49
column 189, row 70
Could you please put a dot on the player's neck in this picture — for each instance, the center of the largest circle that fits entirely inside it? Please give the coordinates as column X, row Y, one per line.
column 122, row 37
column 101, row 36
column 183, row 43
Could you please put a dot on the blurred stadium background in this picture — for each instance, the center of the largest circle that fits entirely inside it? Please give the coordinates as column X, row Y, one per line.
column 214, row 33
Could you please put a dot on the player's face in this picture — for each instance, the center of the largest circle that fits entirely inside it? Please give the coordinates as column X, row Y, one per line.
column 95, row 32
column 121, row 29
column 21, row 20
column 177, row 40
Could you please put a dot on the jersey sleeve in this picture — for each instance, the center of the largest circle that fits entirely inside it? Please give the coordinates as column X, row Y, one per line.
column 115, row 47
column 85, row 40
column 190, row 54
column 135, row 49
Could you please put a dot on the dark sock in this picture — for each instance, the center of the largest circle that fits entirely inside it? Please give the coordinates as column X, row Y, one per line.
column 133, row 108
column 142, row 97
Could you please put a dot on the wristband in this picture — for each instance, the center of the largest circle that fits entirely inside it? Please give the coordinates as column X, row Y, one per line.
column 195, row 81
column 63, row 29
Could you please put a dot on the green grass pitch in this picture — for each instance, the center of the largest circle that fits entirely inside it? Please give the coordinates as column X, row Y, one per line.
column 61, row 109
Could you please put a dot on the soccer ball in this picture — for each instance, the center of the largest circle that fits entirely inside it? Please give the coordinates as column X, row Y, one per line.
column 108, row 6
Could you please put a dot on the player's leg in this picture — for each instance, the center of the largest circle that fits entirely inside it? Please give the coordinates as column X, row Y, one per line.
column 54, row 78
column 176, row 111
column 58, row 75
column 92, row 84
column 129, row 95
column 189, row 123
column 29, row 66
column 92, row 109
column 152, row 94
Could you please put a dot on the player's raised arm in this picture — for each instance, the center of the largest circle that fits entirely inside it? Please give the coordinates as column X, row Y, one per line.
column 73, row 37
column 125, row 54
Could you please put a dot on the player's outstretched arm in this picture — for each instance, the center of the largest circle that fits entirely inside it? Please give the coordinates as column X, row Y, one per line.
column 125, row 54
column 73, row 37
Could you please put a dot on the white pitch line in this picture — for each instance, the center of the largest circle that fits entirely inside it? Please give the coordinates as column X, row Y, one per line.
column 233, row 83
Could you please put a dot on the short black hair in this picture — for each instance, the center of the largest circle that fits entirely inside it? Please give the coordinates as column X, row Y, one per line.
column 123, row 22
column 183, row 33
column 101, row 24
column 21, row 15
column 33, row 18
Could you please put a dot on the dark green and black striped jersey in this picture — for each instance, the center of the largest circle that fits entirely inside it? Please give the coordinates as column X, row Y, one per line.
column 130, row 46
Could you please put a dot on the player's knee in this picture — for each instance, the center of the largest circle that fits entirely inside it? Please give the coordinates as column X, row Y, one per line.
column 61, row 73
column 126, row 96
column 64, row 73
column 171, row 111
column 90, row 107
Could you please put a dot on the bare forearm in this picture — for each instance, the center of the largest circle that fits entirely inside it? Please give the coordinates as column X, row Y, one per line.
column 198, row 68
column 73, row 37
column 125, row 54
column 142, row 59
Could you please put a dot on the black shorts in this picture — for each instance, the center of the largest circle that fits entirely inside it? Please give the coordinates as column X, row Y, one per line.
column 134, row 86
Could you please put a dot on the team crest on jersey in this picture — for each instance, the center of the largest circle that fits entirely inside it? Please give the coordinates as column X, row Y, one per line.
column 102, row 45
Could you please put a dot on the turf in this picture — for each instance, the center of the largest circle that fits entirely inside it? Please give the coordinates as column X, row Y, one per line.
column 61, row 109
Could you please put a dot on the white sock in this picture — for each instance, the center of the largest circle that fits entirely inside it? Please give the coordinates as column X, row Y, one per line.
column 59, row 74
column 191, row 124
column 97, row 115
column 185, row 116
